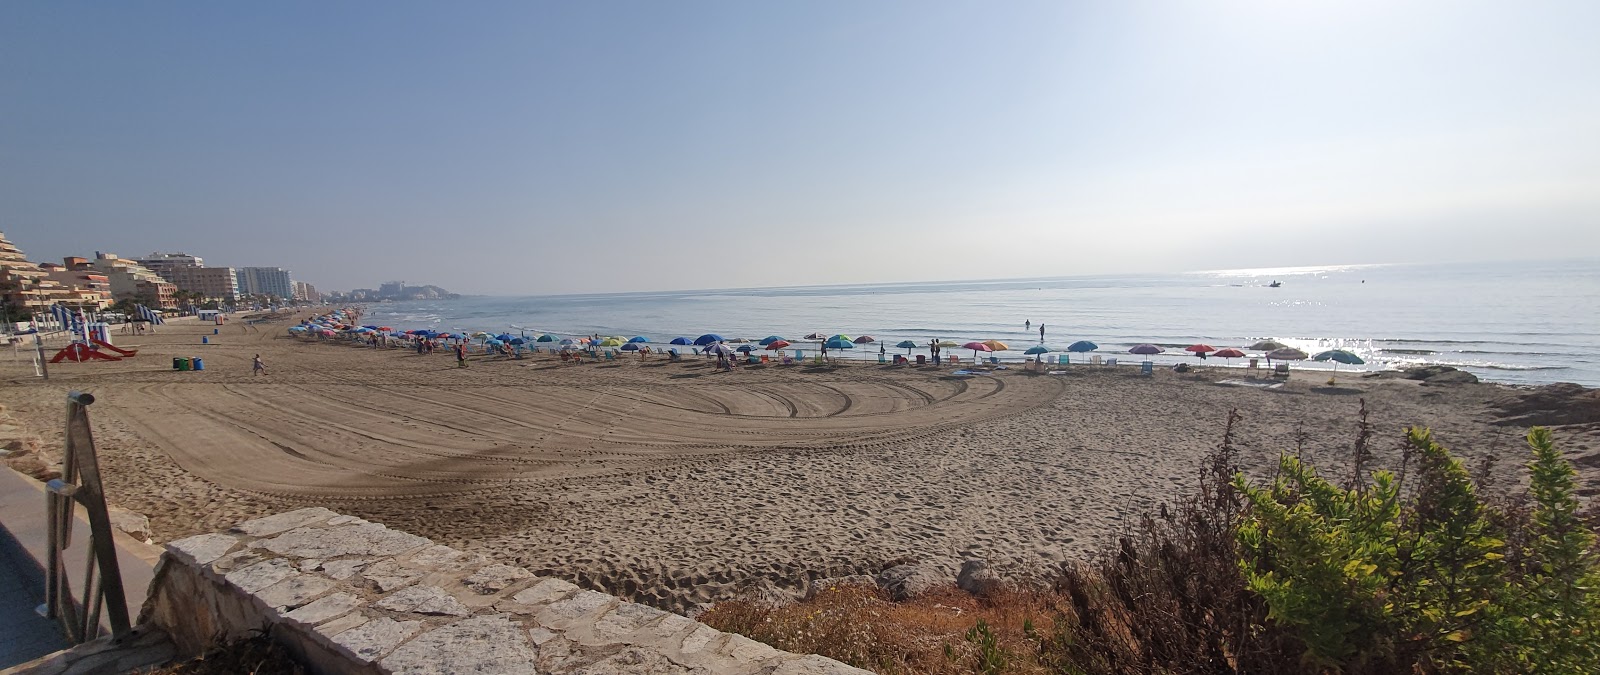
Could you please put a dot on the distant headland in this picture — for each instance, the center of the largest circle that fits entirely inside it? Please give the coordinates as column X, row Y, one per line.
column 393, row 290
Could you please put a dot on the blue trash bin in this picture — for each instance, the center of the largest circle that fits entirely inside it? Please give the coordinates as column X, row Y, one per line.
column 198, row 363
column 205, row 339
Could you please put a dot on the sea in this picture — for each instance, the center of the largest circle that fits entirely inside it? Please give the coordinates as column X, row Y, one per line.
column 1512, row 322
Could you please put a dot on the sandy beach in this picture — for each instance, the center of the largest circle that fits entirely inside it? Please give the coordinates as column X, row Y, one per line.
column 677, row 484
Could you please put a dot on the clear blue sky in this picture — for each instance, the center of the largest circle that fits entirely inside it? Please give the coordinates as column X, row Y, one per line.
column 523, row 147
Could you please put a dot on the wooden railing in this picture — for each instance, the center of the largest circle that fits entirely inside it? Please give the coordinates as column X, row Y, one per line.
column 102, row 579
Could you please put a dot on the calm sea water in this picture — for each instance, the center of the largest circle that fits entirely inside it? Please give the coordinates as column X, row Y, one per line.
column 1524, row 323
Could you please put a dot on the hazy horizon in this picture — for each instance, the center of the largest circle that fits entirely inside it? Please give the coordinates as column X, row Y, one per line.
column 510, row 148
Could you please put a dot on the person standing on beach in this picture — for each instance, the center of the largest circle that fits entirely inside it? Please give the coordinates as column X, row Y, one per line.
column 257, row 367
column 461, row 355
column 1041, row 333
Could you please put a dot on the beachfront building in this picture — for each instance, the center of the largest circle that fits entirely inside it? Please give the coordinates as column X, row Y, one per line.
column 273, row 281
column 305, row 292
column 84, row 288
column 164, row 263
column 133, row 282
column 26, row 289
column 212, row 283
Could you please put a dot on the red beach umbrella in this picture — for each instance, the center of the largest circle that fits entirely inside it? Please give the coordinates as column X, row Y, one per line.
column 1229, row 353
column 780, row 344
column 1200, row 349
column 977, row 347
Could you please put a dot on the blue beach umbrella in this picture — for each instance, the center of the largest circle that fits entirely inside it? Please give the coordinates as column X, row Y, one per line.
column 547, row 338
column 517, row 341
column 907, row 345
column 1039, row 349
column 630, row 347
column 707, row 339
column 1082, row 346
column 836, row 343
column 681, row 341
column 745, row 348
column 771, row 339
column 638, row 338
column 1338, row 356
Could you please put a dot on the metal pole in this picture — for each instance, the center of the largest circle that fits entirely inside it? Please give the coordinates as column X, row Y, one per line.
column 38, row 343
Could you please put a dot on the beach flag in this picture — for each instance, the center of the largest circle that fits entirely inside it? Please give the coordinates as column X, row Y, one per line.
column 63, row 316
column 149, row 315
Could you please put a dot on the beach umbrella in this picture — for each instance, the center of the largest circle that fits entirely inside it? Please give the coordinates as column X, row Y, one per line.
column 630, row 347
column 816, row 336
column 745, row 349
column 739, row 340
column 1267, row 346
column 504, row 337
column 1286, row 354
column 977, row 347
column 1229, row 353
column 771, row 339
column 517, row 341
column 1036, row 350
column 1338, row 356
column 707, row 339
column 611, row 342
column 948, row 343
column 385, row 328
column 997, row 345
column 779, row 344
column 569, row 342
column 1082, row 346
column 719, row 348
column 681, row 341
column 638, row 338
column 1145, row 350
column 907, row 345
column 1199, row 349
column 836, row 342
column 865, row 339
column 480, row 334
column 843, row 337
column 547, row 338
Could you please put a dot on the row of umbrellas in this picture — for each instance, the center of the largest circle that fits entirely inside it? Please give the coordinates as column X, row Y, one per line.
column 1271, row 349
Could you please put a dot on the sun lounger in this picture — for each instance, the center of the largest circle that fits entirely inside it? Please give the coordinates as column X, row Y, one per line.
column 1147, row 368
column 1111, row 361
column 611, row 355
column 1281, row 370
column 994, row 360
column 954, row 360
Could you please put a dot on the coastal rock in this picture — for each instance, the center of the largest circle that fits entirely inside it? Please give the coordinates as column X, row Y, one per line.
column 976, row 578
column 1550, row 405
column 132, row 524
column 903, row 582
column 1452, row 377
column 1426, row 372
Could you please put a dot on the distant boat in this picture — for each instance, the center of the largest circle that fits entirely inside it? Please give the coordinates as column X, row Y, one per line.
column 1275, row 284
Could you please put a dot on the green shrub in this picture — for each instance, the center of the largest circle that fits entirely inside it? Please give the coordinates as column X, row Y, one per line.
column 1373, row 582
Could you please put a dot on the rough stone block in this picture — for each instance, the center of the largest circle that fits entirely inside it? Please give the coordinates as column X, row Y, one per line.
column 388, row 575
column 371, row 640
column 261, row 575
column 282, row 522
column 344, row 568
column 202, row 549
column 370, row 539
column 621, row 623
column 634, row 660
column 341, row 624
column 481, row 644
column 295, row 591
column 546, row 591
column 346, row 520
column 811, row 664
column 423, row 600
column 563, row 613
column 495, row 578
column 325, row 608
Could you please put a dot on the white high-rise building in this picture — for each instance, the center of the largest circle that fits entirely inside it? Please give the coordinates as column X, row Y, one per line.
column 272, row 281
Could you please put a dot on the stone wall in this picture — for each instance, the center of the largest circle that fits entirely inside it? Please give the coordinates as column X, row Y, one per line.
column 350, row 596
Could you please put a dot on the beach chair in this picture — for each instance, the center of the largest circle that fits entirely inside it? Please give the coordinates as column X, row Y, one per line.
column 995, row 360
column 1147, row 368
column 611, row 355
column 1281, row 370
column 765, row 360
column 954, row 360
column 673, row 355
column 1096, row 360
column 1111, row 361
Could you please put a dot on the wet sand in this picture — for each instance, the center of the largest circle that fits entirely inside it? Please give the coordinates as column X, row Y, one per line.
column 674, row 483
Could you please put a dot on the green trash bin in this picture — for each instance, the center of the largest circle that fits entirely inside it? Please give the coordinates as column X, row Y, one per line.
column 177, row 363
column 183, row 363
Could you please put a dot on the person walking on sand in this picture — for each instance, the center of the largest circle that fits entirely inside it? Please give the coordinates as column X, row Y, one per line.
column 257, row 367
column 461, row 355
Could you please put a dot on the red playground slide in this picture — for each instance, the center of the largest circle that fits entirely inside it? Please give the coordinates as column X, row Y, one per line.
column 80, row 352
column 120, row 351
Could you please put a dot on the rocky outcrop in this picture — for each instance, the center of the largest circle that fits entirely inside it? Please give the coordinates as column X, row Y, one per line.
column 976, row 578
column 1452, row 377
column 907, row 580
column 1436, row 375
column 1550, row 405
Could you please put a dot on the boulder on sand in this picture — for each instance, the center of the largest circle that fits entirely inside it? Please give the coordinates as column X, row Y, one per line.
column 1550, row 405
column 976, row 578
column 1452, row 377
column 908, row 580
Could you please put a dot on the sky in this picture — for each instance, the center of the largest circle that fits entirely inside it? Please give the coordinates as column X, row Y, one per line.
column 516, row 148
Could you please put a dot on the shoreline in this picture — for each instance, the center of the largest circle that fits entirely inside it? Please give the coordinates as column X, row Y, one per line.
column 674, row 484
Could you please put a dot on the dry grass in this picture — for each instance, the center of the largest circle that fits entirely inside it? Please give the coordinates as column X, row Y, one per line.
column 860, row 626
column 258, row 655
